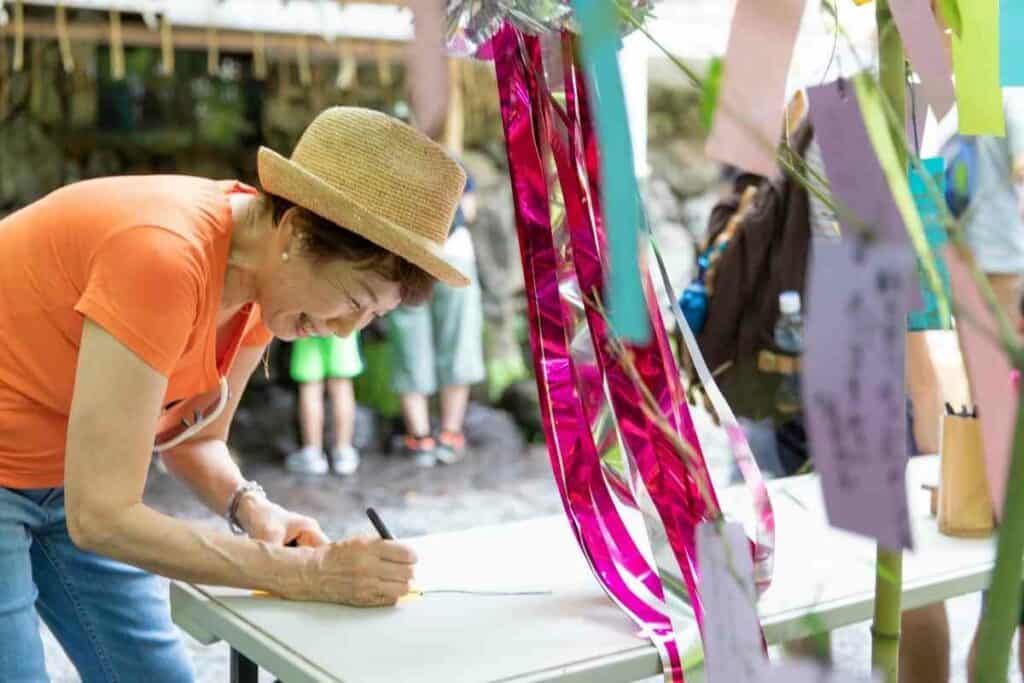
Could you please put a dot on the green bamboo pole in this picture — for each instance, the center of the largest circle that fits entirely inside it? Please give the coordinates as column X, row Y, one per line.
column 885, row 630
column 1002, row 610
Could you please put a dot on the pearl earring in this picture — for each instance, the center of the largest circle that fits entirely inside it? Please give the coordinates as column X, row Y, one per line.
column 284, row 256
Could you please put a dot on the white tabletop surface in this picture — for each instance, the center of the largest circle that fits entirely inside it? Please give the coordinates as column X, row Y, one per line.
column 575, row 633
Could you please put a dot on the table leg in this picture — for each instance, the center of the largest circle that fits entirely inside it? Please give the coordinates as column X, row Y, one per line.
column 243, row 669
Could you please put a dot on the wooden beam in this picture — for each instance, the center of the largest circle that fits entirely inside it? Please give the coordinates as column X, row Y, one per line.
column 192, row 39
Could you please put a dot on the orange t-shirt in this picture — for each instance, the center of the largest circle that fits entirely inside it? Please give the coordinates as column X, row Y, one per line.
column 143, row 257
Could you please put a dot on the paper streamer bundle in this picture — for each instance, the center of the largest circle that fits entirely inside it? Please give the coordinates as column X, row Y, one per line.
column 592, row 399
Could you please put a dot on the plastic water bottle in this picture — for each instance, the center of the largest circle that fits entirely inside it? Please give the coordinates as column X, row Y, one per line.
column 789, row 340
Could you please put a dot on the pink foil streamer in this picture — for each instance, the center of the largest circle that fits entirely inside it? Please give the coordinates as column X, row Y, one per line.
column 672, row 484
column 572, row 369
column 595, row 521
column 672, row 398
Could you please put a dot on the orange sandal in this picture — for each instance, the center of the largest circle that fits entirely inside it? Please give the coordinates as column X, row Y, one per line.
column 422, row 449
column 451, row 447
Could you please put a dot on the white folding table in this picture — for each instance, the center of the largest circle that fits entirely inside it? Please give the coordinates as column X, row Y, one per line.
column 824, row 579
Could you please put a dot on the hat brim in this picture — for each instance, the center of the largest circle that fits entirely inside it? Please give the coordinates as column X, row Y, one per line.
column 280, row 176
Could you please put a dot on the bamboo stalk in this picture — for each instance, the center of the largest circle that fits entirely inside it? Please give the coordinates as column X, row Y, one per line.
column 885, row 628
column 1002, row 610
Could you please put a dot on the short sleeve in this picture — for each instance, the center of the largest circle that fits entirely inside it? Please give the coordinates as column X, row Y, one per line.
column 144, row 287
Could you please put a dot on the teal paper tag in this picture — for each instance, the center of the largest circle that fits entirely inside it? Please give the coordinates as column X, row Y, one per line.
column 928, row 317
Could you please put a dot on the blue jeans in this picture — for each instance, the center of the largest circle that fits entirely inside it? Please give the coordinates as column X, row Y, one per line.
column 112, row 620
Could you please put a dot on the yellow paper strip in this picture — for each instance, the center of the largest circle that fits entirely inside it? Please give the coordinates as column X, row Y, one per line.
column 976, row 65
column 869, row 99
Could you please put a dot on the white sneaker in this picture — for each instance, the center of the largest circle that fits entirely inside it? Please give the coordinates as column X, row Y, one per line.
column 308, row 460
column 345, row 461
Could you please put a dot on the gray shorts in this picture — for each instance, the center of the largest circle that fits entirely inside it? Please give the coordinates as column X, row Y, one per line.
column 439, row 344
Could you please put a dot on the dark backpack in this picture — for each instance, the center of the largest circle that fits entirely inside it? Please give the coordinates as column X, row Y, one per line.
column 750, row 256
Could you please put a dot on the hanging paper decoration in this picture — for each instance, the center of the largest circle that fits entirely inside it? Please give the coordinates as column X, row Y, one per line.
column 614, row 414
column 924, row 44
column 748, row 122
column 928, row 316
column 621, row 196
column 976, row 65
column 1011, row 51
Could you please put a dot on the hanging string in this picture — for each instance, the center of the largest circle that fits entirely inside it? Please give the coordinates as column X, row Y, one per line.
column 302, row 56
column 63, row 40
column 259, row 56
column 834, row 12
column 913, row 114
column 116, row 47
column 19, row 36
column 166, row 47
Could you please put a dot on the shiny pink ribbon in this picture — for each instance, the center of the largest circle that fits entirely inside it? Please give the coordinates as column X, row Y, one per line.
column 589, row 402
column 590, row 509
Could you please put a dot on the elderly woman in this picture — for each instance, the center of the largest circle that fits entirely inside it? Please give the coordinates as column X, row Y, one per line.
column 133, row 311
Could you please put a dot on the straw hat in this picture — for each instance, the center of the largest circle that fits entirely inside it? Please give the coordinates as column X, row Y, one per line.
column 377, row 177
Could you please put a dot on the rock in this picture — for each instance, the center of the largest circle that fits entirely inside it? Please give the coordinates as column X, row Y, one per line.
column 265, row 424
column 491, row 428
column 522, row 402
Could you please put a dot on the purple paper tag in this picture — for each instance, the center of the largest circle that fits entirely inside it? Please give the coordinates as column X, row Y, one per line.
column 732, row 634
column 854, row 173
column 853, row 385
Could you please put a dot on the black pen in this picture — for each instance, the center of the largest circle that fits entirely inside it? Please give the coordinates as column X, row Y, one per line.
column 378, row 524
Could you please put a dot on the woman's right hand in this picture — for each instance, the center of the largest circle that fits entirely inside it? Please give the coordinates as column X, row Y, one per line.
column 361, row 571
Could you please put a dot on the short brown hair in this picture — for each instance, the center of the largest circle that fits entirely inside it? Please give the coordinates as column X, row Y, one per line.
column 327, row 241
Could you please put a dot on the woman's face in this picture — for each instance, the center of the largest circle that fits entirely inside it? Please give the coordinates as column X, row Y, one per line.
column 299, row 296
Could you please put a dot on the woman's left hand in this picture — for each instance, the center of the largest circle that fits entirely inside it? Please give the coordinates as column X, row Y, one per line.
column 266, row 521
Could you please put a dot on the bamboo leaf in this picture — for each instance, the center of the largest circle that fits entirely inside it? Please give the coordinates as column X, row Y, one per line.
column 950, row 11
column 709, row 93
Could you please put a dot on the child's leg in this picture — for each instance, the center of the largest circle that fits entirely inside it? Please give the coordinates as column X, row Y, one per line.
column 311, row 414
column 343, row 401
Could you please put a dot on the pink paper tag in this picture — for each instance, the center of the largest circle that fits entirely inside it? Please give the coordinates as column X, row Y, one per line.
column 748, row 121
column 853, row 385
column 987, row 370
column 923, row 41
column 732, row 633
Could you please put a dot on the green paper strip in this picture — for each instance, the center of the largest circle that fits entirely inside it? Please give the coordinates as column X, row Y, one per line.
column 869, row 99
column 976, row 65
column 627, row 312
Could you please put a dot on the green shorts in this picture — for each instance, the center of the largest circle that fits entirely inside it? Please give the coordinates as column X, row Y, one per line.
column 315, row 359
